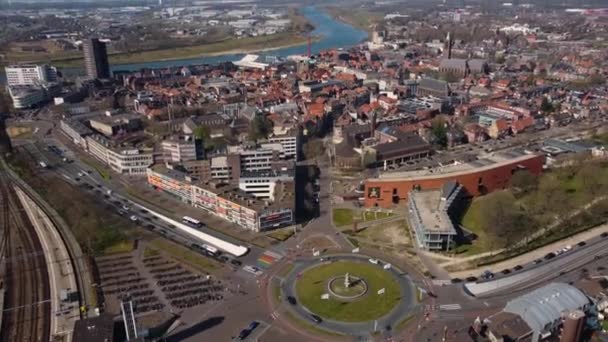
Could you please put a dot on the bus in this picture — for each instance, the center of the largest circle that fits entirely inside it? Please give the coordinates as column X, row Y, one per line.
column 191, row 222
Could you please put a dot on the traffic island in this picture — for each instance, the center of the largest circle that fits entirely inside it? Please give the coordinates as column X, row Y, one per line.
column 348, row 291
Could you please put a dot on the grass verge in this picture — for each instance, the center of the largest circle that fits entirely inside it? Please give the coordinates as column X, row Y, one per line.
column 119, row 247
column 402, row 323
column 150, row 252
column 184, row 255
column 285, row 270
column 282, row 234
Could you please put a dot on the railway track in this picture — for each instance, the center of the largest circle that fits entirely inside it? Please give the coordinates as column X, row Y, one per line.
column 27, row 309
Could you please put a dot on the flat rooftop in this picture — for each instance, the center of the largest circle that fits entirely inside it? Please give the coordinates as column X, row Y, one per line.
column 483, row 163
column 430, row 212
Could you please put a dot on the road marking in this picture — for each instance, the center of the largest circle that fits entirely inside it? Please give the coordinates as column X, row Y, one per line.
column 447, row 307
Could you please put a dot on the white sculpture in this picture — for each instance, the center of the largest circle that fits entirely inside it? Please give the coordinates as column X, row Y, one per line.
column 346, row 281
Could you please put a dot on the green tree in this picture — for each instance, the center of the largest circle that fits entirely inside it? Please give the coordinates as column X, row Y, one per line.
column 524, row 181
column 259, row 128
column 202, row 132
column 546, row 106
column 313, row 148
column 502, row 219
column 593, row 179
column 440, row 132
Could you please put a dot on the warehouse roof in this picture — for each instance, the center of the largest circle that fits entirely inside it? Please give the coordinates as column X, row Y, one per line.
column 546, row 304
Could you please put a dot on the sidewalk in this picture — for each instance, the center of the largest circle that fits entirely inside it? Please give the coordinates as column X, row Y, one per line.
column 535, row 254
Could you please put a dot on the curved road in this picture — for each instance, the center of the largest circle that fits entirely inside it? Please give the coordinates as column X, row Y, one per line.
column 406, row 305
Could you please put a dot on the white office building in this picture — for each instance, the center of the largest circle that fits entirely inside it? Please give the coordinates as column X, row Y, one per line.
column 258, row 159
column 26, row 97
column 262, row 184
column 289, row 144
column 128, row 161
column 17, row 75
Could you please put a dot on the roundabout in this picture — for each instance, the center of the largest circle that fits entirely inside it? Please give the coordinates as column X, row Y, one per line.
column 351, row 295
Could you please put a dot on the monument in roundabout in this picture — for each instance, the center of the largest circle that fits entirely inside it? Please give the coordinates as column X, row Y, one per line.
column 347, row 287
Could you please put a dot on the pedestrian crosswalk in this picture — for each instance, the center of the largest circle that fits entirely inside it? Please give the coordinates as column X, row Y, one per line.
column 447, row 307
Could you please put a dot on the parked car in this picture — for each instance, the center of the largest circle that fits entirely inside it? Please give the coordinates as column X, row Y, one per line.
column 581, row 244
column 291, row 300
column 253, row 325
column 518, row 267
column 550, row 256
column 374, row 261
column 243, row 334
column 316, row 318
column 471, row 279
column 604, row 234
column 487, row 275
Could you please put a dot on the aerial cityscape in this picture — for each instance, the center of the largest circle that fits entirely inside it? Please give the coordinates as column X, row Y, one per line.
column 269, row 170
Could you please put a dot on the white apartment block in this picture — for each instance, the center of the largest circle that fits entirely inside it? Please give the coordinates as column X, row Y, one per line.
column 30, row 74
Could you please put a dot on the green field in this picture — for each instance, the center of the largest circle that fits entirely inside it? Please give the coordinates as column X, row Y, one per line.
column 184, row 255
column 346, row 217
column 313, row 283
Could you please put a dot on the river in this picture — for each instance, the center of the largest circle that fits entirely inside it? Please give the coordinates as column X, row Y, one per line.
column 333, row 33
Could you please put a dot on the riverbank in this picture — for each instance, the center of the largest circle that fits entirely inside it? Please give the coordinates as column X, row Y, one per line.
column 229, row 46
column 359, row 18
column 328, row 34
column 295, row 36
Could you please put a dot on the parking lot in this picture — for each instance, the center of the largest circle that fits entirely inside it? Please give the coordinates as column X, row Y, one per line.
column 155, row 283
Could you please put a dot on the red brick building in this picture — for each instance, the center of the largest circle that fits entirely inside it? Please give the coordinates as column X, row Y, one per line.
column 478, row 177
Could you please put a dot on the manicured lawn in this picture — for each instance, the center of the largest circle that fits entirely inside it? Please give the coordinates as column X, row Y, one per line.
column 342, row 217
column 313, row 283
column 184, row 255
